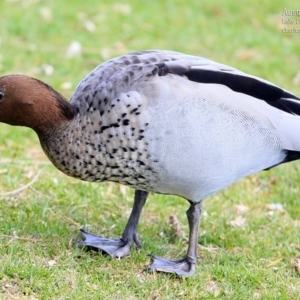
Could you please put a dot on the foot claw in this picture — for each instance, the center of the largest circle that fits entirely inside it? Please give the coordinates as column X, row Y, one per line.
column 182, row 267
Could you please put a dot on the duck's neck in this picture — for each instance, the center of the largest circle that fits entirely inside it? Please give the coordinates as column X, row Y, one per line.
column 52, row 113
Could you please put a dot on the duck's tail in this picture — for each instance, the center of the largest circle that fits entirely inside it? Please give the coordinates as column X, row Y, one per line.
column 289, row 127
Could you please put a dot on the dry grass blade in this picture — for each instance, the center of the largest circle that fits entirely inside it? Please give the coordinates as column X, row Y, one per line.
column 14, row 192
column 14, row 237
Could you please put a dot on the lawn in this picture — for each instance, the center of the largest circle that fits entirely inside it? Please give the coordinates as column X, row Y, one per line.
column 249, row 243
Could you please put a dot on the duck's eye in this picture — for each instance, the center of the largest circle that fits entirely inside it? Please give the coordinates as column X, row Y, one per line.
column 1, row 95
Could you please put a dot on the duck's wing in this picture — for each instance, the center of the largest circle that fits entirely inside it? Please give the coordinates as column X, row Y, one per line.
column 213, row 73
column 118, row 74
column 134, row 72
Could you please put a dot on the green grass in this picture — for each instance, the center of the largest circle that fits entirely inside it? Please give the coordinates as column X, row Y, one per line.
column 39, row 224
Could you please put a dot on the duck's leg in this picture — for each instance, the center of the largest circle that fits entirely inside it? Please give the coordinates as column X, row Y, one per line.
column 119, row 247
column 185, row 266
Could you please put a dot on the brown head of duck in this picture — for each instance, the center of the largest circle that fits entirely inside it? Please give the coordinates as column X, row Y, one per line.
column 25, row 101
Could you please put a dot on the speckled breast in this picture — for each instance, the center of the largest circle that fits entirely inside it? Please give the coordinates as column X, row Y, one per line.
column 106, row 145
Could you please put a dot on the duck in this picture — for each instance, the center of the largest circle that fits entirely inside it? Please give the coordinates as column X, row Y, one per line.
column 163, row 122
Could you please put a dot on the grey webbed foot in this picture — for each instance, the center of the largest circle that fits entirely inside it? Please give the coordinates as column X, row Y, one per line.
column 185, row 266
column 113, row 247
column 119, row 247
column 181, row 267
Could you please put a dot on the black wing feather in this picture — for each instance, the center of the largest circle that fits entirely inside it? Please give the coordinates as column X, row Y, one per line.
column 237, row 83
column 273, row 95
